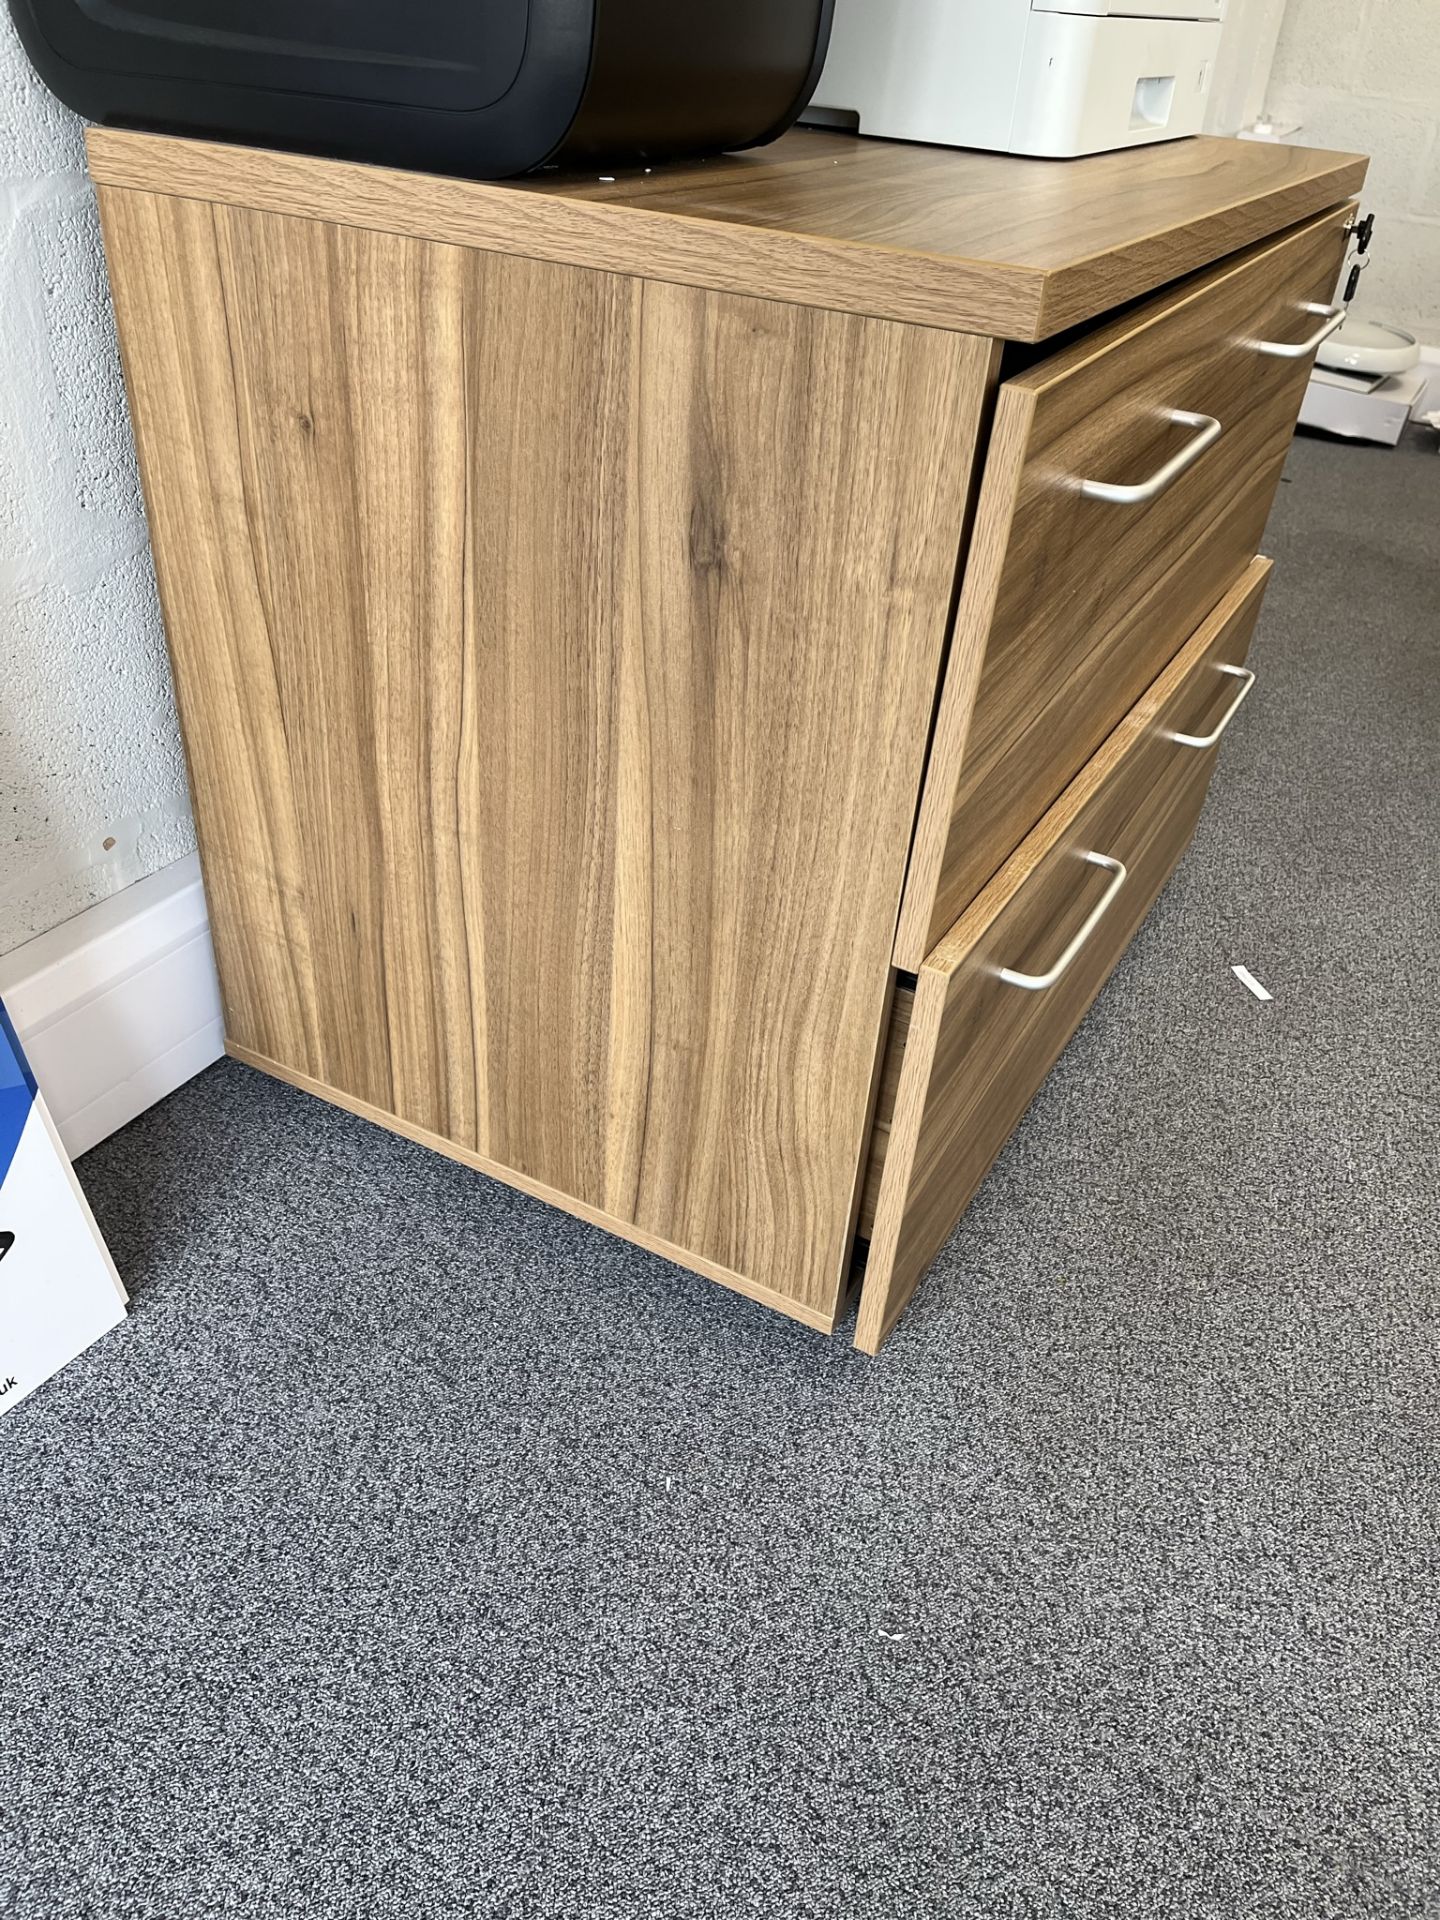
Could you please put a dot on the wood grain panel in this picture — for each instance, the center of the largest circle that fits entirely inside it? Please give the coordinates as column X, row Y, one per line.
column 989, row 243
column 555, row 653
column 1072, row 605
column 887, row 1095
column 969, row 1051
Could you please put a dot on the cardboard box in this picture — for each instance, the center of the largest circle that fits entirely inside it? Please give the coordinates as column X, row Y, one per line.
column 59, row 1290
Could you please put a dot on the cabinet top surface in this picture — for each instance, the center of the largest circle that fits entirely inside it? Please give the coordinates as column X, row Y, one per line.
column 981, row 242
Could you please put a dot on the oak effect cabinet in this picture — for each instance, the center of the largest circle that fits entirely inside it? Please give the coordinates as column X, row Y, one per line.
column 692, row 681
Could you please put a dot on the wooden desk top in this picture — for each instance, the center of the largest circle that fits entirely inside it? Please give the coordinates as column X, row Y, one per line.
column 977, row 242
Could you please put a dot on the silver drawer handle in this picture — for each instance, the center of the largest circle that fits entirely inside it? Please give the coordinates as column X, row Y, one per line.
column 1208, row 431
column 1038, row 982
column 1247, row 680
column 1297, row 349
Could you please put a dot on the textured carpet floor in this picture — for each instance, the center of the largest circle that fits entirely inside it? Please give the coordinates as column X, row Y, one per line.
column 417, row 1551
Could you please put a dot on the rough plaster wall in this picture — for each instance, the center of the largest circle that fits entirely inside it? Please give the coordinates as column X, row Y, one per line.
column 89, row 749
column 1365, row 75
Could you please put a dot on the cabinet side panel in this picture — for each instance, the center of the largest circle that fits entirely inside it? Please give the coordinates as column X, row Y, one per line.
column 803, row 481
column 556, row 652
column 165, row 274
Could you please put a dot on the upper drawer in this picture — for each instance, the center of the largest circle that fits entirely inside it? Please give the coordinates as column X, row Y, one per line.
column 1106, row 531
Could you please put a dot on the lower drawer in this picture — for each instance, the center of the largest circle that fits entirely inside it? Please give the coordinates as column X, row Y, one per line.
column 995, row 1003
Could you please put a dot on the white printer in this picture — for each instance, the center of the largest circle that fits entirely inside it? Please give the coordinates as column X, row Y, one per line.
column 1050, row 77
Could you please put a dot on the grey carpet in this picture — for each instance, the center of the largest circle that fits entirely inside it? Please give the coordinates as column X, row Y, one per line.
column 417, row 1551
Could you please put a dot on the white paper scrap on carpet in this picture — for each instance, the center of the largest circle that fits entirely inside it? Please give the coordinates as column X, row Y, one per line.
column 1247, row 979
column 59, row 1290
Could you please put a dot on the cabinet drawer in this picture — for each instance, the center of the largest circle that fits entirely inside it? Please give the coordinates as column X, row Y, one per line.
column 1107, row 529
column 995, row 1003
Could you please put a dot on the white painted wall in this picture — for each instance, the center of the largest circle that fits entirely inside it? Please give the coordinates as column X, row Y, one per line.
column 1365, row 75
column 89, row 749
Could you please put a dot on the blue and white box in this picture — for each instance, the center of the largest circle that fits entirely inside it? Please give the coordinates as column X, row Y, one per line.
column 59, row 1290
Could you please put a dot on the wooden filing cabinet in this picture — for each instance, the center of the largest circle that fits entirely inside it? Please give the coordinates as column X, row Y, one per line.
column 692, row 682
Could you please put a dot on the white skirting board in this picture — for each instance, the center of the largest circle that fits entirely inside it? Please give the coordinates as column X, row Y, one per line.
column 119, row 1006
